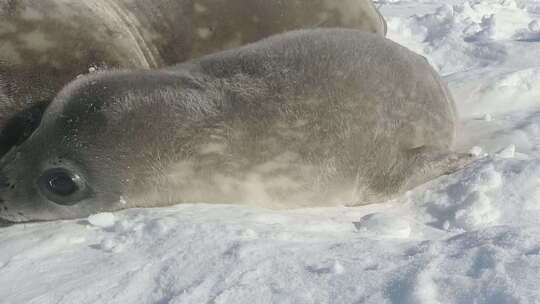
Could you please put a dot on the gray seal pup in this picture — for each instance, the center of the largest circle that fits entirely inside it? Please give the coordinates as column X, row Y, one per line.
column 323, row 117
column 44, row 44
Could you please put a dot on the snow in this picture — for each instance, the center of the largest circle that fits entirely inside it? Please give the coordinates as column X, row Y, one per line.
column 470, row 237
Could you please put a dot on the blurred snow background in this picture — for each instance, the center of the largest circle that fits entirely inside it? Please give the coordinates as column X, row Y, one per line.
column 472, row 237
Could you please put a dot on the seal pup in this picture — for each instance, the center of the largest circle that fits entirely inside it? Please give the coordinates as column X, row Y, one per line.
column 323, row 117
column 45, row 44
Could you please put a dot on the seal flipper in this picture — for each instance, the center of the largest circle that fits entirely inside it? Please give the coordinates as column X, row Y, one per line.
column 426, row 163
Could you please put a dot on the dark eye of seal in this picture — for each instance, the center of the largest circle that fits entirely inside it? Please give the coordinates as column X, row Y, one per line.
column 61, row 186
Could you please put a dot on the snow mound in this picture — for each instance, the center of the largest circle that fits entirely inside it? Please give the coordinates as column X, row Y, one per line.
column 466, row 35
column 493, row 191
column 500, row 90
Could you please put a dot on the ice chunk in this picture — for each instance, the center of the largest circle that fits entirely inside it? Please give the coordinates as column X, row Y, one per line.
column 105, row 219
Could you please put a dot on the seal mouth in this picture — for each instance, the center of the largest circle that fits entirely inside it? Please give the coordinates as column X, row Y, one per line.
column 7, row 223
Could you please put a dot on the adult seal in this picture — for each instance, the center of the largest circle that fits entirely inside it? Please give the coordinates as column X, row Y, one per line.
column 321, row 117
column 44, row 44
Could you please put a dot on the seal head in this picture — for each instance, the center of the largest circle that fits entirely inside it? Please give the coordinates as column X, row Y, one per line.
column 101, row 133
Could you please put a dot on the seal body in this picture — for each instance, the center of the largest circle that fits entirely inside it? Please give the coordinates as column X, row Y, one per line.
column 44, row 44
column 321, row 117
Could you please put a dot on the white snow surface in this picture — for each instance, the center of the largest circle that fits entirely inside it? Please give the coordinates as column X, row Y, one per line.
column 470, row 237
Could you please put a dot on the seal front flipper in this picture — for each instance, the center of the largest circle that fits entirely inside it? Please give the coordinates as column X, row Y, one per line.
column 426, row 163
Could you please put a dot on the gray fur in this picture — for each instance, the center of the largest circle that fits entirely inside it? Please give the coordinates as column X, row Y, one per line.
column 44, row 44
column 307, row 118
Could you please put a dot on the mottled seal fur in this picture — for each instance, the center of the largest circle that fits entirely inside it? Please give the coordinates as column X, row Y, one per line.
column 44, row 44
column 322, row 117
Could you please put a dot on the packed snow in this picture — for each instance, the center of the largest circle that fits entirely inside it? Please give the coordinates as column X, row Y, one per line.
column 470, row 237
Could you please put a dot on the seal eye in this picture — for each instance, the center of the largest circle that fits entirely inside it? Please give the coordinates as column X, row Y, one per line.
column 61, row 186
